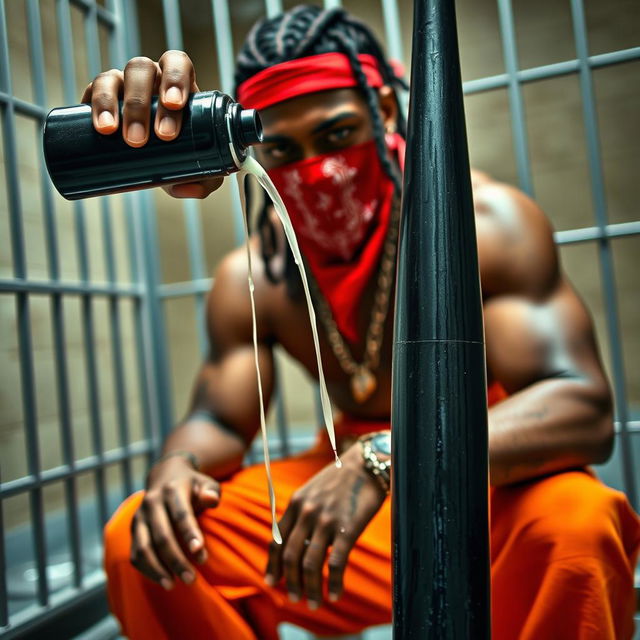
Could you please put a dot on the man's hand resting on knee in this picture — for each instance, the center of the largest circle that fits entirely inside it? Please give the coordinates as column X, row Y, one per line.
column 327, row 514
column 166, row 538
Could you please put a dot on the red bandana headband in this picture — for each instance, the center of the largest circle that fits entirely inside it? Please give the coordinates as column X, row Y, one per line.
column 305, row 75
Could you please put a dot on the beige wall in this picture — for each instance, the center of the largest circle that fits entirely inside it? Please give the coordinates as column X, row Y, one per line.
column 560, row 176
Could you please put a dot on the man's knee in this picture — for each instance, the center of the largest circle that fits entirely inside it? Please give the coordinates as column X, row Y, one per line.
column 566, row 515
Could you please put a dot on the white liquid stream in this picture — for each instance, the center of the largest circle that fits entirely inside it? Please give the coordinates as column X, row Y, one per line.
column 250, row 166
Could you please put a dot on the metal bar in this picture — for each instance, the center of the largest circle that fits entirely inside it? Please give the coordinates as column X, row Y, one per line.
column 20, row 285
column 155, row 337
column 393, row 35
column 516, row 104
column 180, row 289
column 488, row 83
column 191, row 208
column 65, row 42
column 30, row 622
column 548, row 71
column 23, row 320
column 39, row 90
column 172, row 24
column 95, row 65
column 224, row 48
column 274, row 8
column 92, row 463
column 197, row 267
column 606, row 258
column 441, row 585
column 392, row 29
column 4, row 600
column 102, row 14
column 587, row 234
column 150, row 389
column 144, row 358
column 23, row 107
column 57, row 310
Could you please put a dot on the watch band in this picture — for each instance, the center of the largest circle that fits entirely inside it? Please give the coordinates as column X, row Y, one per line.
column 380, row 470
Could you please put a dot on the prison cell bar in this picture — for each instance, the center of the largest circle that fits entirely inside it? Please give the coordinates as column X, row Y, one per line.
column 439, row 405
column 23, row 320
column 604, row 247
column 57, row 305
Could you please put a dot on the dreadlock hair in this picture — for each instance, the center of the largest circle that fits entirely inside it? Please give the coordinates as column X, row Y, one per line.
column 308, row 30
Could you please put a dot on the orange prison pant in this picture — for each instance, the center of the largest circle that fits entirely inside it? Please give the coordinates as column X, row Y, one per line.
column 562, row 558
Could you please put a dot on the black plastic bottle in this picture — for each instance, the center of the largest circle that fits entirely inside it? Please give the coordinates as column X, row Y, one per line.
column 82, row 163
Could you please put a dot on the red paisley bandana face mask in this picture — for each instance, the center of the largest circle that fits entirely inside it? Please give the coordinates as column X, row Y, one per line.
column 340, row 206
column 334, row 201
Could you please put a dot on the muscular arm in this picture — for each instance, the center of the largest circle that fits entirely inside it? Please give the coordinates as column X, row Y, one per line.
column 540, row 347
column 223, row 417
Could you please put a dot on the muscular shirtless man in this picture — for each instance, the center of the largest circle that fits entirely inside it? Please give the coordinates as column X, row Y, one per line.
column 192, row 557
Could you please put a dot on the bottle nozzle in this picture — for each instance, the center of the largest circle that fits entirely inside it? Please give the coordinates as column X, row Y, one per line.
column 250, row 127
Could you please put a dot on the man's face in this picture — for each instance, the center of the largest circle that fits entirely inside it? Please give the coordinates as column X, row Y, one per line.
column 318, row 123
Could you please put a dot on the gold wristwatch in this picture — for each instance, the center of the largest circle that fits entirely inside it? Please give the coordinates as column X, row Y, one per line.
column 376, row 453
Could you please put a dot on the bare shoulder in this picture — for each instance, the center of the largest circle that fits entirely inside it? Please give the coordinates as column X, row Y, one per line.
column 229, row 318
column 516, row 250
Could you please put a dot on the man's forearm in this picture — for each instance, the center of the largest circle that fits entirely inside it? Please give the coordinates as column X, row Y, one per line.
column 550, row 426
column 218, row 451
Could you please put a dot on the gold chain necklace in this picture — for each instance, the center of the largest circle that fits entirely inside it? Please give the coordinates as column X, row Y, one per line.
column 363, row 380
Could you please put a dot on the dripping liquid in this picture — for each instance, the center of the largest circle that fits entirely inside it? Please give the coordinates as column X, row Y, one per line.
column 252, row 167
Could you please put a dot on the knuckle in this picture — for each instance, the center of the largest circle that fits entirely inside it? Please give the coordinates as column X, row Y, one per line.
column 139, row 62
column 309, row 566
column 169, row 489
column 336, row 562
column 174, row 53
column 135, row 101
column 308, row 509
column 162, row 541
column 181, row 517
column 326, row 521
column 103, row 97
column 289, row 559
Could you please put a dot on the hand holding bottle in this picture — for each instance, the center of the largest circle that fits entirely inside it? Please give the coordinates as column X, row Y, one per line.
column 108, row 145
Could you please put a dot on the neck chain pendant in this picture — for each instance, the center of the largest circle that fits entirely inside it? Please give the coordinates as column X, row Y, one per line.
column 363, row 384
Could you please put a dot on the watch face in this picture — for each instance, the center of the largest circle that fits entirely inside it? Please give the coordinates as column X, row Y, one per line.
column 381, row 443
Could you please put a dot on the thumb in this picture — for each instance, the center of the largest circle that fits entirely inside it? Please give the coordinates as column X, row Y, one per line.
column 206, row 495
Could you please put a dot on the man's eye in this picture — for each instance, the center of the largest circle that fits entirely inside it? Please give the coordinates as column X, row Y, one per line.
column 340, row 135
column 277, row 151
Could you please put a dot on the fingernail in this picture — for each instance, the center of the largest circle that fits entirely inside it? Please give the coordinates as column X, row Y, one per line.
column 333, row 597
column 173, row 94
column 194, row 545
column 211, row 493
column 166, row 584
column 105, row 119
column 313, row 605
column 135, row 132
column 167, row 126
column 187, row 577
column 294, row 597
column 270, row 580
